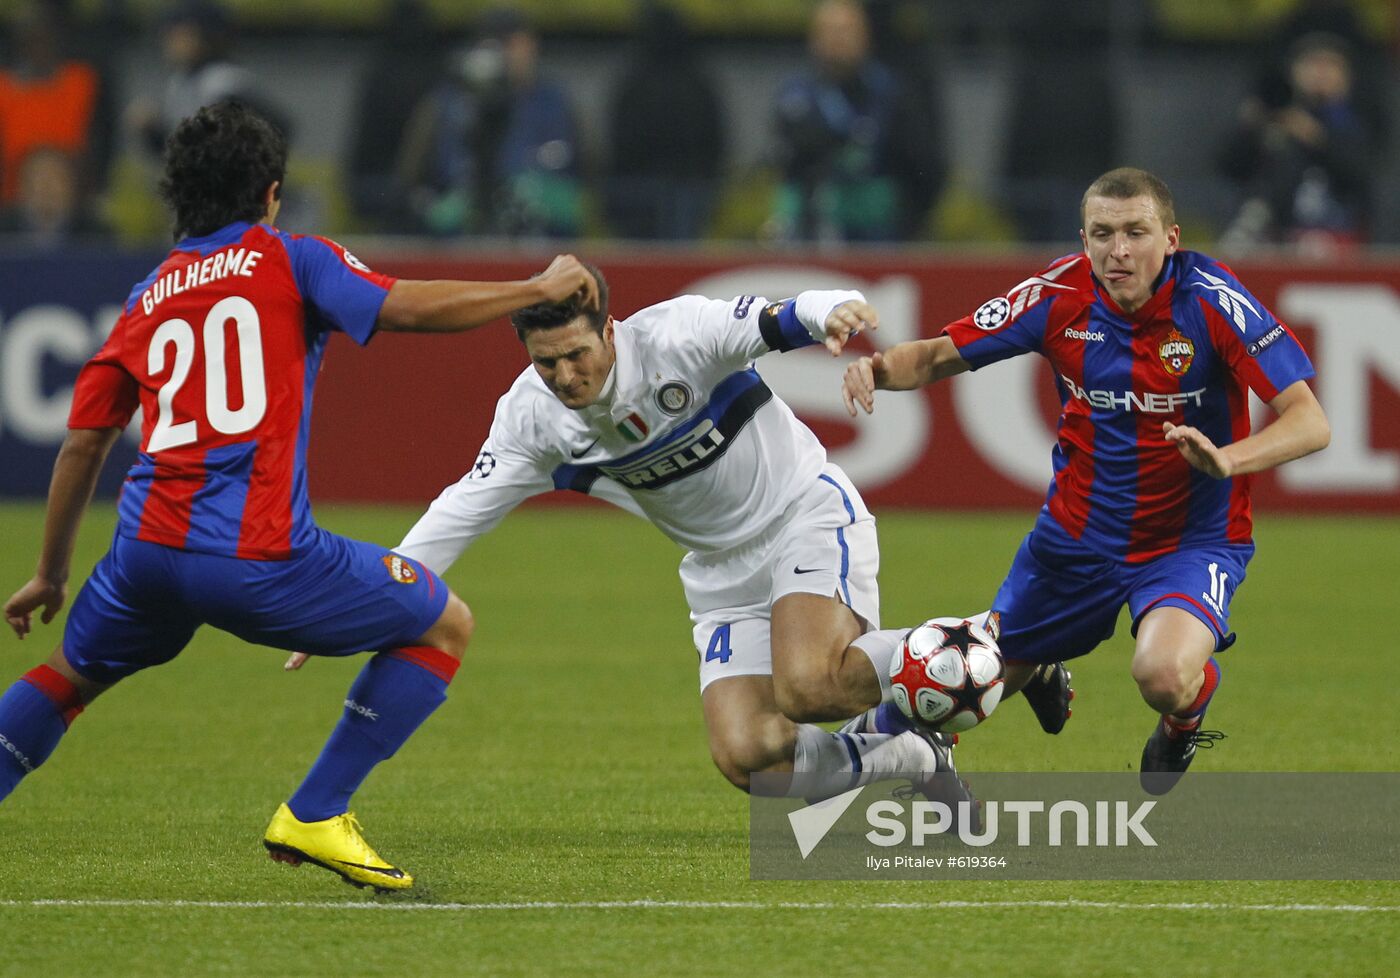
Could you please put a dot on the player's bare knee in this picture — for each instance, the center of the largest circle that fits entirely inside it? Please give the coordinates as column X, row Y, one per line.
column 463, row 625
column 759, row 744
column 735, row 759
column 1164, row 688
column 735, row 773
column 87, row 689
column 452, row 632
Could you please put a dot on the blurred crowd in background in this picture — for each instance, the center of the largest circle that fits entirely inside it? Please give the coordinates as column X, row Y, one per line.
column 832, row 122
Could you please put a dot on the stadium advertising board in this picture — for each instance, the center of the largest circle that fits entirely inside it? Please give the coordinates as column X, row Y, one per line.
column 55, row 311
column 399, row 422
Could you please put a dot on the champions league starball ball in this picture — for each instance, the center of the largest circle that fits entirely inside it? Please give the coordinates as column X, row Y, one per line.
column 948, row 675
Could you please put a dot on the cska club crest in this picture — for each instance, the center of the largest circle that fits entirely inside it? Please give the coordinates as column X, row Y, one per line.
column 399, row 569
column 1176, row 352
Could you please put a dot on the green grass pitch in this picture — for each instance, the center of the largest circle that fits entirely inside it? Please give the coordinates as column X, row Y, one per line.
column 569, row 768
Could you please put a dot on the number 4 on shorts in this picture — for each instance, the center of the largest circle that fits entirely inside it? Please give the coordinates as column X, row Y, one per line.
column 719, row 645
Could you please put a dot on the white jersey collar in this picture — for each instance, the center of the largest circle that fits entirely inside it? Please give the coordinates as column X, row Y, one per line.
column 625, row 390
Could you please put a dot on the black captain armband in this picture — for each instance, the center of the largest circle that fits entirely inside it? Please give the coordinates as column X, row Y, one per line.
column 781, row 329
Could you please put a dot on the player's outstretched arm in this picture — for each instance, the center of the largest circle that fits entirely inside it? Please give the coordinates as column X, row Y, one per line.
column 74, row 479
column 902, row 367
column 1300, row 429
column 450, row 307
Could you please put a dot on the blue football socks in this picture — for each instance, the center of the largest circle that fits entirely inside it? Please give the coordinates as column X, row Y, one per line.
column 34, row 715
column 394, row 693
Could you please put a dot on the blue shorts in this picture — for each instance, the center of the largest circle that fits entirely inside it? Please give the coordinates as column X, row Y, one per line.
column 144, row 601
column 1061, row 599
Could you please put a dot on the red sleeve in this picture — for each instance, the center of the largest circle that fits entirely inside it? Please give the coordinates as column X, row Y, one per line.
column 106, row 395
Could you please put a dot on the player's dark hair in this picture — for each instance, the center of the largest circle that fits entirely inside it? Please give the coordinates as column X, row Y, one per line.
column 552, row 315
column 1128, row 181
column 218, row 165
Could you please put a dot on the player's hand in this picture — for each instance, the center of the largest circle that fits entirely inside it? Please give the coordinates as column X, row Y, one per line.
column 862, row 378
column 38, row 593
column 295, row 661
column 1199, row 450
column 566, row 277
column 846, row 320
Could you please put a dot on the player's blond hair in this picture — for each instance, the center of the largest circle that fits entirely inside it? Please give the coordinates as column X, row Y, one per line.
column 1127, row 182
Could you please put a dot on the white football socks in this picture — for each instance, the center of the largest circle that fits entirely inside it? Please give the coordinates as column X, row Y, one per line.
column 828, row 763
column 881, row 647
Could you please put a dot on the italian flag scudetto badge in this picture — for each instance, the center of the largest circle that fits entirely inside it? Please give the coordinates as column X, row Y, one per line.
column 632, row 427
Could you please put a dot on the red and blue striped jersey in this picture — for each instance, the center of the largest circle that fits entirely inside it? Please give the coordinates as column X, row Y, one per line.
column 1189, row 356
column 220, row 347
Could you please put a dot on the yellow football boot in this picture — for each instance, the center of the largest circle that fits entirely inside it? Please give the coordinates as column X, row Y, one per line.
column 335, row 844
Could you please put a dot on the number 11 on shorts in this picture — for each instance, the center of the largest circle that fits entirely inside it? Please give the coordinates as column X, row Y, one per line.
column 719, row 645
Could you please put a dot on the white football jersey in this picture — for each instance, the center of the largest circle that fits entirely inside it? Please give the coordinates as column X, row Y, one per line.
column 685, row 433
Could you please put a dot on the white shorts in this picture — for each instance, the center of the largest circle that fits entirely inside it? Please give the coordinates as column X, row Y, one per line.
column 823, row 544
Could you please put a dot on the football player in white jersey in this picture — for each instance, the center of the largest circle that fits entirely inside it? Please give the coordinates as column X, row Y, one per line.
column 664, row 415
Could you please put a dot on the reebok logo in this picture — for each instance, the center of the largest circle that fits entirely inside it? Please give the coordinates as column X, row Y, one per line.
column 363, row 711
column 1091, row 336
column 1219, row 593
column 1028, row 292
column 24, row 761
column 1232, row 301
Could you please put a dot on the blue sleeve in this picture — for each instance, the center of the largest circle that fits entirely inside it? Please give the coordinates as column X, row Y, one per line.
column 998, row 330
column 779, row 325
column 1257, row 346
column 345, row 293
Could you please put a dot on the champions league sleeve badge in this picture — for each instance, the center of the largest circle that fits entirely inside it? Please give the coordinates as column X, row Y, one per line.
column 992, row 313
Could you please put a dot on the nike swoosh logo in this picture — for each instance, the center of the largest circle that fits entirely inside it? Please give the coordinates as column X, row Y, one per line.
column 805, row 570
column 393, row 873
column 583, row 451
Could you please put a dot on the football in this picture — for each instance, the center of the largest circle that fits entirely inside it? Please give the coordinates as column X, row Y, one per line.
column 948, row 675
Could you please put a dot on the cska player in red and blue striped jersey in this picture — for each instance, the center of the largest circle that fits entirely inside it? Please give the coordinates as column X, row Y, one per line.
column 1155, row 351
column 220, row 347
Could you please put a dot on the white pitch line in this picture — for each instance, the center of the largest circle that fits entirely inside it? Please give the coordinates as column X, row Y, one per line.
column 701, row 905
